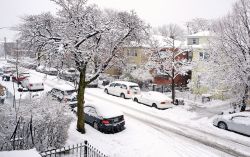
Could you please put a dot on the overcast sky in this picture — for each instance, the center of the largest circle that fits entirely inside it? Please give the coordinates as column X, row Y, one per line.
column 155, row 12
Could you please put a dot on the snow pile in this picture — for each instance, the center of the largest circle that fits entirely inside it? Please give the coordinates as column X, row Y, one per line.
column 20, row 153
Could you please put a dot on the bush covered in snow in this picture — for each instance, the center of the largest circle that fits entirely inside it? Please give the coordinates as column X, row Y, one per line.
column 40, row 123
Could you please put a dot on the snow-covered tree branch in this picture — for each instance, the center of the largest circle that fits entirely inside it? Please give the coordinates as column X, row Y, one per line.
column 91, row 37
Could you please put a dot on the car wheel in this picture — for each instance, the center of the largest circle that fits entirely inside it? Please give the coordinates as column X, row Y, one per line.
column 95, row 125
column 154, row 105
column 222, row 125
column 123, row 95
column 106, row 91
column 136, row 100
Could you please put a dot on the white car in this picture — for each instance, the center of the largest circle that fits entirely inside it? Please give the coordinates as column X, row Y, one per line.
column 237, row 122
column 32, row 84
column 154, row 99
column 123, row 89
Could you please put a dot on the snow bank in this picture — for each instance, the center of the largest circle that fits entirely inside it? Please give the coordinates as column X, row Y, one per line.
column 20, row 153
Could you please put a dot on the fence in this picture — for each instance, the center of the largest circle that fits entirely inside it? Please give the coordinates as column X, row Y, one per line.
column 79, row 150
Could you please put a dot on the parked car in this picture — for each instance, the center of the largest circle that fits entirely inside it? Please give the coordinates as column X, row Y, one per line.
column 9, row 69
column 123, row 89
column 154, row 99
column 104, row 80
column 47, row 70
column 1, row 71
column 21, row 76
column 64, row 94
column 237, row 122
column 51, row 71
column 69, row 74
column 7, row 75
column 28, row 65
column 3, row 93
column 107, row 120
column 32, row 83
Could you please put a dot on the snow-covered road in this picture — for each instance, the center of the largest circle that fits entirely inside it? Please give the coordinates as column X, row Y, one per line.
column 227, row 145
column 150, row 132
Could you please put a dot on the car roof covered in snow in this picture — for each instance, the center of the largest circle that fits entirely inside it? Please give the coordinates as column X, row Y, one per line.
column 104, row 109
column 158, row 95
column 228, row 116
column 33, row 79
column 126, row 83
column 64, row 87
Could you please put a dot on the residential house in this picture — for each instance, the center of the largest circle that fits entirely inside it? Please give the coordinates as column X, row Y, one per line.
column 199, row 43
column 134, row 57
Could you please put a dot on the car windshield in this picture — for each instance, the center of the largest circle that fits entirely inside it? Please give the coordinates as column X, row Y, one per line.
column 70, row 92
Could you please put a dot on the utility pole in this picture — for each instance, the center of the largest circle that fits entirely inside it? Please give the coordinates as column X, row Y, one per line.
column 17, row 55
column 5, row 48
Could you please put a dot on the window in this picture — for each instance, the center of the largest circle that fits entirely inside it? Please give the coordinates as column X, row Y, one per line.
column 112, row 85
column 117, row 85
column 123, row 86
column 204, row 56
column 193, row 41
column 132, row 52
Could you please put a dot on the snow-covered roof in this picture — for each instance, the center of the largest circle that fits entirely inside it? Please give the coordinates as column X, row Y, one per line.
column 162, row 41
column 201, row 34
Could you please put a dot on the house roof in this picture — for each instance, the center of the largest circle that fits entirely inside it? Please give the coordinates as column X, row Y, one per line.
column 201, row 34
column 162, row 41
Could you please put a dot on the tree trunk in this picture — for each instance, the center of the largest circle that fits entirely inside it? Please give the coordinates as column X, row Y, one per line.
column 173, row 86
column 245, row 97
column 80, row 103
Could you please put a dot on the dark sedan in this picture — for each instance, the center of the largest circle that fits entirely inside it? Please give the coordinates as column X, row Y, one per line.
column 104, row 119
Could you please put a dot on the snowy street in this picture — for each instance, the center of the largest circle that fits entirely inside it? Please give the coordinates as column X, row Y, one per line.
column 94, row 78
column 179, row 130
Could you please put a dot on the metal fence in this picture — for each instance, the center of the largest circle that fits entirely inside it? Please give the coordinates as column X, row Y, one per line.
column 79, row 150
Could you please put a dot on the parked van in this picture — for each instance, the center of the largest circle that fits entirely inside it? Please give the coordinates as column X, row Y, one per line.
column 123, row 89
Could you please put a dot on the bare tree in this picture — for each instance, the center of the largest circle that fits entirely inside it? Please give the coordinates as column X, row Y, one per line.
column 230, row 50
column 165, row 57
column 90, row 37
column 198, row 24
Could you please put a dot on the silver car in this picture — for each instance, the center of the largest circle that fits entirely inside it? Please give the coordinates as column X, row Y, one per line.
column 237, row 122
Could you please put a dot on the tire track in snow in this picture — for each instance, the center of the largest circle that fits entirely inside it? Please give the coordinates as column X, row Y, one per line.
column 200, row 136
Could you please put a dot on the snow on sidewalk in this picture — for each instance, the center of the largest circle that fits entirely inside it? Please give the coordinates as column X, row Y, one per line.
column 141, row 140
column 20, row 153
